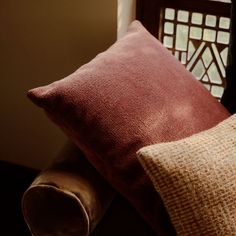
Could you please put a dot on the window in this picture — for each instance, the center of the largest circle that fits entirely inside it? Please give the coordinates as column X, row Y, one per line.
column 195, row 32
column 200, row 41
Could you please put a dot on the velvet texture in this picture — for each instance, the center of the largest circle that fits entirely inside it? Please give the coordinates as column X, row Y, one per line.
column 196, row 178
column 132, row 95
column 68, row 198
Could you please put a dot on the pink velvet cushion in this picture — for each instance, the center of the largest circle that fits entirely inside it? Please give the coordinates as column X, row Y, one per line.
column 132, row 95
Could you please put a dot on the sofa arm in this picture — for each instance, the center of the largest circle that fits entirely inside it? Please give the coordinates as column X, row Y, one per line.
column 67, row 198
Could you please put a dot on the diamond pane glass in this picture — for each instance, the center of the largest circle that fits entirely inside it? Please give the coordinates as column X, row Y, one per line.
column 223, row 37
column 217, row 91
column 214, row 74
column 197, row 18
column 195, row 33
column 224, row 23
column 169, row 28
column 181, row 37
column 207, row 57
column 200, row 41
column 183, row 16
column 168, row 41
column 198, row 70
column 209, row 35
column 211, row 20
column 170, row 14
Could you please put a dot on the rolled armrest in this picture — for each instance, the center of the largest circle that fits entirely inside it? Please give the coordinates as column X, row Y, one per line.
column 67, row 198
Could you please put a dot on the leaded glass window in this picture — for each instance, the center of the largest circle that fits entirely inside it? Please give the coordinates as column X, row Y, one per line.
column 200, row 41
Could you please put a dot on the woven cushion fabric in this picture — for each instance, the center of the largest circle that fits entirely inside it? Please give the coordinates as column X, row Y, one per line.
column 132, row 95
column 196, row 178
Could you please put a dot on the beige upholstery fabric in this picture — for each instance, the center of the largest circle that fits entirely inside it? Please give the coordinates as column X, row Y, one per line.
column 196, row 178
column 68, row 198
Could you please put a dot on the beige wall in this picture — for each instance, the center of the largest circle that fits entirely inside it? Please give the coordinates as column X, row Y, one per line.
column 42, row 41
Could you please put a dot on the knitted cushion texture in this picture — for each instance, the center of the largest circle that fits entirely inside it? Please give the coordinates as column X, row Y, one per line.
column 132, row 95
column 196, row 178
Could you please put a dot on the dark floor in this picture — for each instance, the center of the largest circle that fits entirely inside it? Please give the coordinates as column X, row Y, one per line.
column 120, row 219
column 14, row 180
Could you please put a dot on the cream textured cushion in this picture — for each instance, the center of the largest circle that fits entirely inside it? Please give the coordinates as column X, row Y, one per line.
column 196, row 178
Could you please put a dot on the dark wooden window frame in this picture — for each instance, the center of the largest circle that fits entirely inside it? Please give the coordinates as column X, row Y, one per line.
column 149, row 11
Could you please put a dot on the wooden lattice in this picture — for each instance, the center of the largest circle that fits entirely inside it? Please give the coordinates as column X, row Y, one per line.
column 200, row 41
column 196, row 32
